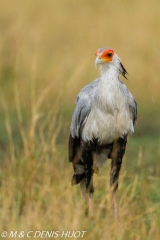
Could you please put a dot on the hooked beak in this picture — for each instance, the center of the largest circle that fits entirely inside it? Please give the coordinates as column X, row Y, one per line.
column 98, row 61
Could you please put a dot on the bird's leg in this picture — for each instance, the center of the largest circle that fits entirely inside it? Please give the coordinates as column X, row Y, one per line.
column 116, row 156
column 114, row 176
column 88, row 176
column 90, row 189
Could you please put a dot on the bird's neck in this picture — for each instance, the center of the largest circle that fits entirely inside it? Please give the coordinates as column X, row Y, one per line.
column 109, row 74
column 109, row 89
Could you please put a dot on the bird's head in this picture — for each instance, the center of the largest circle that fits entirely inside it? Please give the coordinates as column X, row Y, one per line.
column 104, row 55
column 107, row 57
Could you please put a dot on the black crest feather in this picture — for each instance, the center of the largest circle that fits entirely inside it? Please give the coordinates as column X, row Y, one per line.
column 123, row 71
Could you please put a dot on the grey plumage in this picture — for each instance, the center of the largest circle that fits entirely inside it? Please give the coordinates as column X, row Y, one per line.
column 83, row 107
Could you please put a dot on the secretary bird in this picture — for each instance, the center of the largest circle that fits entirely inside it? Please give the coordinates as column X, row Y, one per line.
column 104, row 115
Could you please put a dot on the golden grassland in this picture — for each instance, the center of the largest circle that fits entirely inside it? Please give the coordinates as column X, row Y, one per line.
column 47, row 54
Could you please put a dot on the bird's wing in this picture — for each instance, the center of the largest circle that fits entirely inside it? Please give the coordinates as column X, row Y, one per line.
column 83, row 107
column 131, row 103
column 81, row 112
column 133, row 109
column 73, row 146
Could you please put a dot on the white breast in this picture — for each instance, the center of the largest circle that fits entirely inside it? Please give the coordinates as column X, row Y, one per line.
column 110, row 117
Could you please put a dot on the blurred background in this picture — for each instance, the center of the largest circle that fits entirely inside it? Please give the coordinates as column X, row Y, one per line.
column 47, row 54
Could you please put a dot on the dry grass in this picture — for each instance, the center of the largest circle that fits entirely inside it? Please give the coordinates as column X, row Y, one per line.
column 47, row 55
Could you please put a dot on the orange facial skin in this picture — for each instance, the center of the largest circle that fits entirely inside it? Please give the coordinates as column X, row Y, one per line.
column 105, row 55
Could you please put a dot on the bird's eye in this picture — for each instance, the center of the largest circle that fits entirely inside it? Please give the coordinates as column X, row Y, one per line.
column 109, row 54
